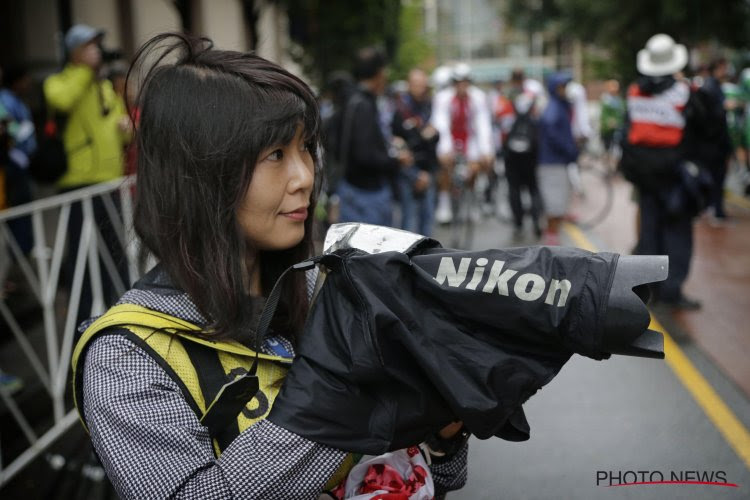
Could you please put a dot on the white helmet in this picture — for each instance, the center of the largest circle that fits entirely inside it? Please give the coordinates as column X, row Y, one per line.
column 461, row 72
column 441, row 77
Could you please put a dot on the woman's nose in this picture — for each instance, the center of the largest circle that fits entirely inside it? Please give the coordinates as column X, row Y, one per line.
column 302, row 172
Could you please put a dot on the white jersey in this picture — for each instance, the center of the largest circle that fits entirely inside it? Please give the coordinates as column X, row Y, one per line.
column 480, row 123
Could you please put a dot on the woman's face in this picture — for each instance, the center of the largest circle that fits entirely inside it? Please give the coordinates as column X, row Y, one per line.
column 272, row 215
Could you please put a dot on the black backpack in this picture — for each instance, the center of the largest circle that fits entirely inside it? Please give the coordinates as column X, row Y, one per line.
column 522, row 136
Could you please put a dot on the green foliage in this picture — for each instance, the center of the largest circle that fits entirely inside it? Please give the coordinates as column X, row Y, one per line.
column 624, row 27
column 533, row 15
column 331, row 31
column 414, row 49
column 599, row 67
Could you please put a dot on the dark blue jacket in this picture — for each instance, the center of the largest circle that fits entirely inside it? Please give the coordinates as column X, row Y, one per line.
column 556, row 142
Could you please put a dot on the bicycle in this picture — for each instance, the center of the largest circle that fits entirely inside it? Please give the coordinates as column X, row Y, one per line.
column 465, row 203
column 594, row 190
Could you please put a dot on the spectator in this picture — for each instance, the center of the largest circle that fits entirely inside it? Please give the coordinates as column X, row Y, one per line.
column 16, row 86
column 416, row 183
column 611, row 116
column 11, row 384
column 365, row 193
column 97, row 126
column 520, row 151
column 97, row 123
column 8, row 382
column 557, row 149
column 715, row 144
column 336, row 93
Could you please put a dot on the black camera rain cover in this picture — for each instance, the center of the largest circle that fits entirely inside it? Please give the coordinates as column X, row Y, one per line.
column 398, row 345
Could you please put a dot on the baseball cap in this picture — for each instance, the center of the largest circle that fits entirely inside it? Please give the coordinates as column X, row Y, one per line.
column 80, row 34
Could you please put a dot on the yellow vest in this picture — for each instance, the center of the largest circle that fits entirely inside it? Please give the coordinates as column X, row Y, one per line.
column 172, row 343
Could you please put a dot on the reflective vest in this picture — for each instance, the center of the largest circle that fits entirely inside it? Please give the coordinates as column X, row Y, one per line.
column 656, row 120
column 200, row 368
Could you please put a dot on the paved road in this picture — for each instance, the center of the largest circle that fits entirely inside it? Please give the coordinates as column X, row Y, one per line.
column 611, row 417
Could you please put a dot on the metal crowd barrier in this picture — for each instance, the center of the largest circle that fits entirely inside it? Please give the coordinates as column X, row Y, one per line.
column 42, row 271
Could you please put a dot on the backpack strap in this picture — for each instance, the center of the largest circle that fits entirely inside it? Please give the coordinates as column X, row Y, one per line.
column 222, row 401
column 220, row 416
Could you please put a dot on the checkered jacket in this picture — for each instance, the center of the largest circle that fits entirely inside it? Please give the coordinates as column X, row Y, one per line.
column 153, row 446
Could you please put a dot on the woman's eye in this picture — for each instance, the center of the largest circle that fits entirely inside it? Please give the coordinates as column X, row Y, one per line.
column 277, row 155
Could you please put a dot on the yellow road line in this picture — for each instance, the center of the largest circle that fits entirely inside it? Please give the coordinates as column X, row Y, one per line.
column 718, row 412
column 580, row 239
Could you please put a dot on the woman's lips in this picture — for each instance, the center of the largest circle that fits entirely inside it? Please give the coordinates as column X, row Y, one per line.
column 298, row 215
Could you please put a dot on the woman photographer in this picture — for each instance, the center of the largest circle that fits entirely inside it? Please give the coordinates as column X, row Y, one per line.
column 227, row 180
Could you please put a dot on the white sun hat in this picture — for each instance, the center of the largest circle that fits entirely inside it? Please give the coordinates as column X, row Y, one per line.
column 662, row 56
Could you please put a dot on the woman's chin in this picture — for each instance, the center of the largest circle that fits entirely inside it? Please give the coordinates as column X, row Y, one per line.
column 289, row 239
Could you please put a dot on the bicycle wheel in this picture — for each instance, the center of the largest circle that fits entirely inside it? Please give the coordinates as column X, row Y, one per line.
column 503, row 213
column 463, row 200
column 593, row 202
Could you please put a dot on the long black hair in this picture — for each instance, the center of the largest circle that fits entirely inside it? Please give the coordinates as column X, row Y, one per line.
column 205, row 115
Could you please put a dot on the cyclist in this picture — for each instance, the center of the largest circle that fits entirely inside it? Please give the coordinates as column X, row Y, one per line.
column 463, row 120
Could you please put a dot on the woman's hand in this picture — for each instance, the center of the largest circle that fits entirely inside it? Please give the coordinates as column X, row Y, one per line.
column 450, row 430
column 447, row 442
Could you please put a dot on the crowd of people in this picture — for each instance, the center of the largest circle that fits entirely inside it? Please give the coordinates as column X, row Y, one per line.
column 247, row 184
column 409, row 144
column 391, row 149
column 392, row 156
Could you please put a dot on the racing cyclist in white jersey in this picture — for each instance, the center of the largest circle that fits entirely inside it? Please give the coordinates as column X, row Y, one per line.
column 462, row 116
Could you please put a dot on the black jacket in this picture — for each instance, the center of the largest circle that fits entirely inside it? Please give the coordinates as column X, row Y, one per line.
column 709, row 143
column 368, row 164
column 409, row 122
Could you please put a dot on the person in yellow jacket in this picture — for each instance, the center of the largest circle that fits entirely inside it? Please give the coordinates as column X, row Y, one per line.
column 97, row 125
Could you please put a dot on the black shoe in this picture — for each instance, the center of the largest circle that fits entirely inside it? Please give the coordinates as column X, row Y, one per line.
column 683, row 303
